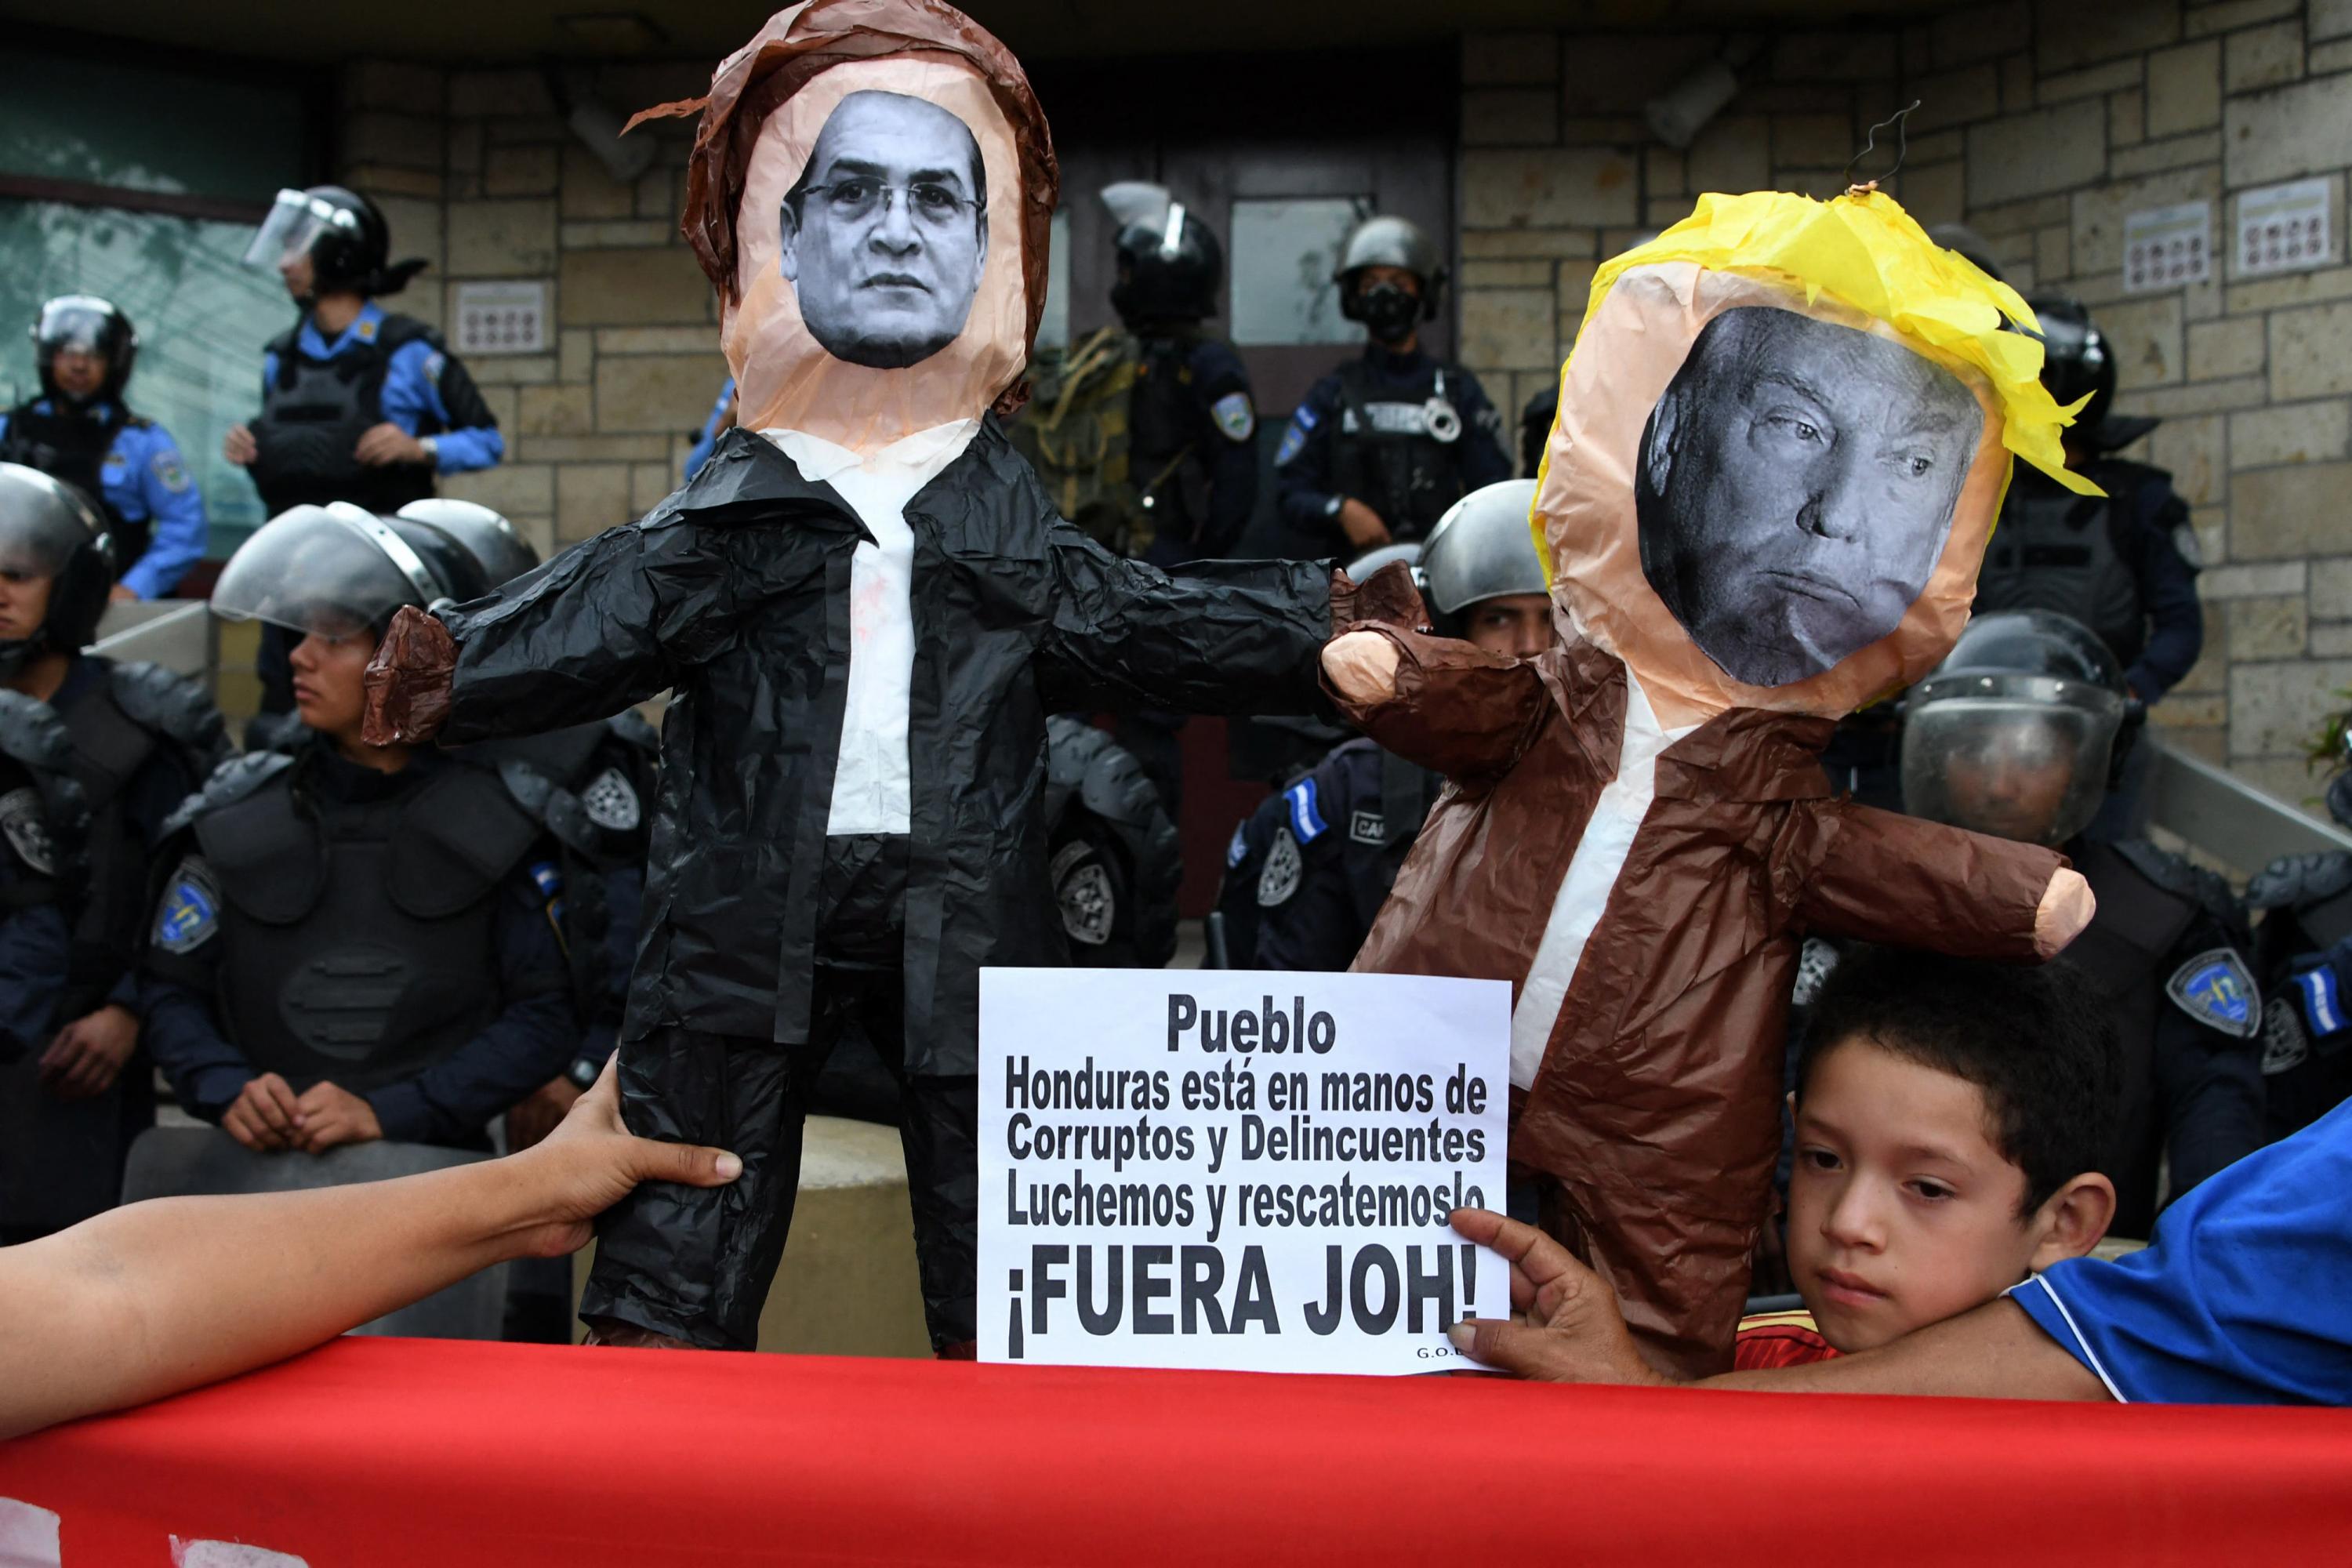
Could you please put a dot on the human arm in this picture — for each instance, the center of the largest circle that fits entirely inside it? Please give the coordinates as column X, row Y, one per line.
column 425, row 387
column 1302, row 477
column 158, row 1297
column 2176, row 616
column 528, row 1043
column 1565, row 1328
column 607, row 624
column 177, row 508
column 1882, row 876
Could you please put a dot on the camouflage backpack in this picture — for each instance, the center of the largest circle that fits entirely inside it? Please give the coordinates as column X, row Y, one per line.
column 1075, row 432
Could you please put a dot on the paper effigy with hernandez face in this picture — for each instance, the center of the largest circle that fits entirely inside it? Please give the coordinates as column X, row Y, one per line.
column 1783, row 436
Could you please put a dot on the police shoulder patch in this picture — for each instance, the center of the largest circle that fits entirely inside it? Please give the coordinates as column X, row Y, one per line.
column 434, row 361
column 1305, row 801
column 1368, row 827
column 1279, row 878
column 27, row 827
column 1239, row 846
column 611, row 801
column 170, row 472
column 2323, row 1008
column 1293, row 438
column 2285, row 1044
column 191, row 911
column 2216, row 989
column 1236, row 420
column 115, row 462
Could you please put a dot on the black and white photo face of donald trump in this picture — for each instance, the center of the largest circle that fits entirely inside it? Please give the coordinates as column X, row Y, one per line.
column 1795, row 490
column 885, row 234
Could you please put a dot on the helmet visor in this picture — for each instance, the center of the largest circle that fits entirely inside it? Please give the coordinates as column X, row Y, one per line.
column 319, row 569
column 75, row 323
column 2015, row 756
column 294, row 224
column 42, row 522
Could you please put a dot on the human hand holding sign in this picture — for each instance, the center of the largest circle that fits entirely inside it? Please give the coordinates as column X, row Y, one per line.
column 1565, row 1325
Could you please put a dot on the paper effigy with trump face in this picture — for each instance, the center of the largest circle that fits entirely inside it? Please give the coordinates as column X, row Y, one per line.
column 1783, row 440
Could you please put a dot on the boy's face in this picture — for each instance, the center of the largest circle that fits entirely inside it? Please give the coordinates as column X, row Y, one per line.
column 1902, row 1212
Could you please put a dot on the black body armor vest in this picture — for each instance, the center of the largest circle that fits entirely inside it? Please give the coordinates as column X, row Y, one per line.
column 2128, row 951
column 313, row 417
column 73, row 448
column 1396, row 455
column 357, row 936
column 2054, row 549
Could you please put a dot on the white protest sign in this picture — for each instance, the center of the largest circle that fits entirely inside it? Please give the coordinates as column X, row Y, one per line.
column 1237, row 1170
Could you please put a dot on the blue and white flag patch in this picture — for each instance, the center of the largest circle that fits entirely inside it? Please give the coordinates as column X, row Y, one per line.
column 1293, row 437
column 1306, row 823
column 2216, row 989
column 2323, row 1006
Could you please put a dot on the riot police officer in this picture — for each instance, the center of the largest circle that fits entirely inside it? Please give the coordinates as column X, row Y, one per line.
column 355, row 941
column 2303, row 949
column 2124, row 565
column 357, row 405
column 2017, row 734
column 1385, row 444
column 1309, row 870
column 1149, row 438
column 135, row 739
column 80, row 430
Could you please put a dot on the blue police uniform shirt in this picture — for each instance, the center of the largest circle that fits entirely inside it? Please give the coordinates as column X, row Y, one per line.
column 700, row 453
column 146, row 480
column 2244, row 1297
column 412, row 391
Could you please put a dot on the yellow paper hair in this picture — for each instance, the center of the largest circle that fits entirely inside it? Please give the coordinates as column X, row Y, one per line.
column 1865, row 252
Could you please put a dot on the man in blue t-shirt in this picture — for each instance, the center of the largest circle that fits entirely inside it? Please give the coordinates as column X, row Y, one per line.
column 2244, row 1297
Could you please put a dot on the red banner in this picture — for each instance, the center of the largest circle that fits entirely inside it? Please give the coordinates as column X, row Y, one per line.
column 414, row 1452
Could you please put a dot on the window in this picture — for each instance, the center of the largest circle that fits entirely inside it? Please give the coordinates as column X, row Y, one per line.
column 1283, row 253
column 151, row 210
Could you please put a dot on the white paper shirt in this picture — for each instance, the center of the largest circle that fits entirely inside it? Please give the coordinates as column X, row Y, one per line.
column 873, row 787
column 1591, row 874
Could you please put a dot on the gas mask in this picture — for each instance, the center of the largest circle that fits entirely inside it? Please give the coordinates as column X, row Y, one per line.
column 1388, row 311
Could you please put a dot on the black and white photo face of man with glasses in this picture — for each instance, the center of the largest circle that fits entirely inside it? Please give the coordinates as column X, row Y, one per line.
column 886, row 233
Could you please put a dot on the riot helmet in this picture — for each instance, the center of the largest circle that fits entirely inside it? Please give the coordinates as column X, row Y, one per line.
column 339, row 570
column 2019, row 731
column 1362, row 567
column 2078, row 361
column 1170, row 263
column 1388, row 312
column 50, row 529
column 1482, row 549
column 501, row 554
column 342, row 233
column 84, row 324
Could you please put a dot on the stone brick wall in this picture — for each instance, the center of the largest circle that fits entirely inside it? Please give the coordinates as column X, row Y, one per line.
column 2042, row 125
column 479, row 175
